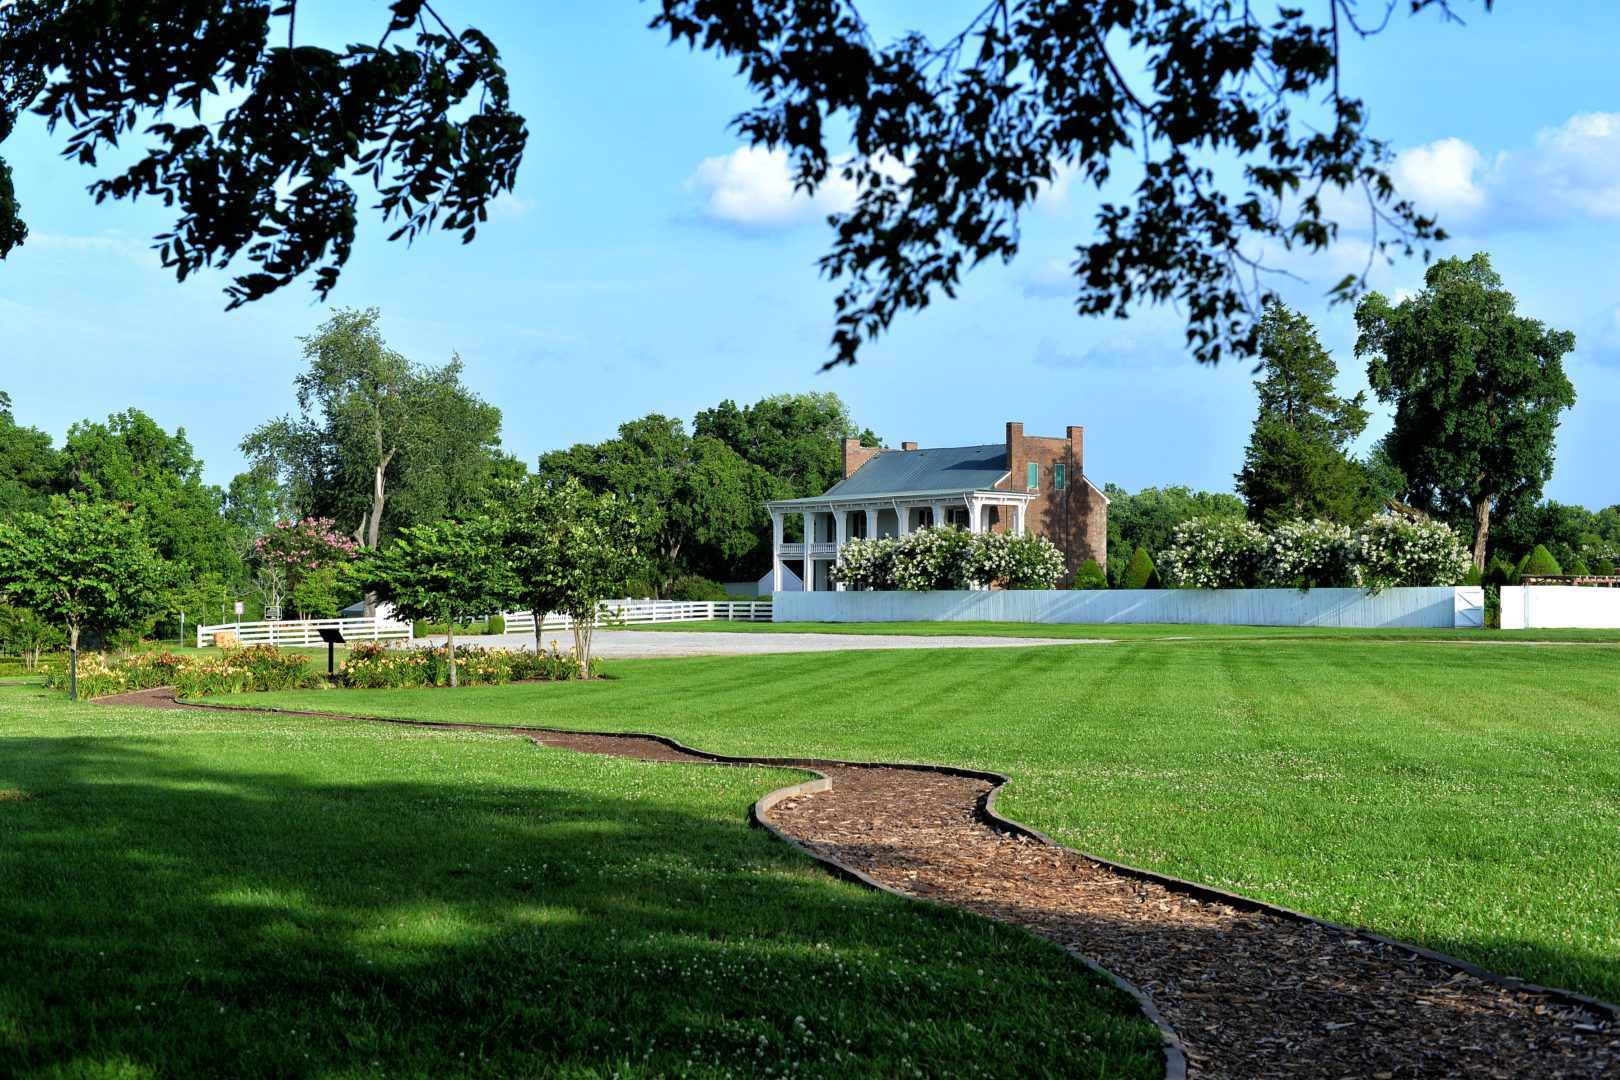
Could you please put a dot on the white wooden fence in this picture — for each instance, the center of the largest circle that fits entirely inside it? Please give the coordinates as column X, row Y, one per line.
column 643, row 612
column 305, row 631
column 1532, row 607
column 614, row 613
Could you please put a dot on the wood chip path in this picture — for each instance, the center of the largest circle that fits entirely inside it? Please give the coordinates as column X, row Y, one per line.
column 1249, row 991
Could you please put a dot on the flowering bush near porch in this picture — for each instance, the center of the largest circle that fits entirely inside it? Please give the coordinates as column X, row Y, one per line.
column 946, row 557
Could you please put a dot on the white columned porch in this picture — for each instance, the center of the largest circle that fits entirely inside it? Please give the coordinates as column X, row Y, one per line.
column 809, row 540
column 975, row 515
column 777, row 518
column 840, row 536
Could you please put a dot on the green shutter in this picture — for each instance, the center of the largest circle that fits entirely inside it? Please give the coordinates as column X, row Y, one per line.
column 1059, row 475
column 1034, row 476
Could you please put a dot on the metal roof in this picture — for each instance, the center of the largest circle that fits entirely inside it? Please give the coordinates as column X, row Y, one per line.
column 940, row 469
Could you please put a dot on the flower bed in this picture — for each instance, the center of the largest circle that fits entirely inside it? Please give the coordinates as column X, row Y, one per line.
column 235, row 671
column 375, row 666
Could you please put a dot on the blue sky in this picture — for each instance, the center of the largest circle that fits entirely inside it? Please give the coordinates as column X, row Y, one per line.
column 648, row 263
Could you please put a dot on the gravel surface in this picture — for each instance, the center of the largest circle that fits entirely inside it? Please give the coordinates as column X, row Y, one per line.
column 1249, row 994
column 630, row 644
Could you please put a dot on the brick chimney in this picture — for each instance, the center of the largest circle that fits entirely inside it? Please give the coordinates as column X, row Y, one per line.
column 856, row 455
column 1015, row 453
column 908, row 446
column 1077, row 446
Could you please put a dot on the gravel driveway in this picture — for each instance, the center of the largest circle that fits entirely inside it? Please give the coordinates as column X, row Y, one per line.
column 625, row 644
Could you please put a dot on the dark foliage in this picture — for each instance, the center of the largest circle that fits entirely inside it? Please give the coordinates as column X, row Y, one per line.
column 427, row 123
column 954, row 139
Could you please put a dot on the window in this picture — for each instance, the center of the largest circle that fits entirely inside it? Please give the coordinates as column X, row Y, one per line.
column 925, row 517
column 1034, row 481
column 958, row 516
column 1059, row 475
column 857, row 525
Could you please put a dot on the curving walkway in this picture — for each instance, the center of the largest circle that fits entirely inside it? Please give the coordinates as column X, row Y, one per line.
column 1242, row 988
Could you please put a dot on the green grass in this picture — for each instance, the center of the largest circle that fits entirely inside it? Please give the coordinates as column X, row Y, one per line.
column 1134, row 631
column 192, row 894
column 1464, row 798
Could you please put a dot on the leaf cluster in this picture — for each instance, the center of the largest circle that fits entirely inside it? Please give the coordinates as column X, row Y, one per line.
column 953, row 140
column 269, row 180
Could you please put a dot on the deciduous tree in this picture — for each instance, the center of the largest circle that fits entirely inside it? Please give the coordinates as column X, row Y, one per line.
column 1477, row 389
column 378, row 442
column 83, row 565
column 569, row 549
column 446, row 571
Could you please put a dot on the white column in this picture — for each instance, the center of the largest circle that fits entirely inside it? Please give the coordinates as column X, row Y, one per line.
column 776, row 550
column 1018, row 516
column 903, row 513
column 871, row 524
column 840, row 535
column 809, row 563
column 939, row 514
column 975, row 516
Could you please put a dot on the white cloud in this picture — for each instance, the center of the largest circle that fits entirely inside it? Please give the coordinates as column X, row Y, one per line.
column 1568, row 173
column 1441, row 176
column 752, row 188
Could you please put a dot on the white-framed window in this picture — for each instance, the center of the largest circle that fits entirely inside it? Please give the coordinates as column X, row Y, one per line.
column 958, row 516
column 856, row 529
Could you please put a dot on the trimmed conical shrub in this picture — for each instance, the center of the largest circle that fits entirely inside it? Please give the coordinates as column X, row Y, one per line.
column 1541, row 562
column 1500, row 572
column 1605, row 566
column 1140, row 572
column 1090, row 576
column 1579, row 567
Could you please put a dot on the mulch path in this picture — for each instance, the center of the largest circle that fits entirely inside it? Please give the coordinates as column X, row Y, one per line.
column 1249, row 994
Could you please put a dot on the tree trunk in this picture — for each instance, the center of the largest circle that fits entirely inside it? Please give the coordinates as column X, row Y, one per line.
column 538, row 616
column 373, row 521
column 73, row 662
column 1482, row 529
column 450, row 633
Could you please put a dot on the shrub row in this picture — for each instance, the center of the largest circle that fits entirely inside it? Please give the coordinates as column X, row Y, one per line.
column 946, row 557
column 1383, row 553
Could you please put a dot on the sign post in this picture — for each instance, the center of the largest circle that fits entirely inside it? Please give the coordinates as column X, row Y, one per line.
column 333, row 638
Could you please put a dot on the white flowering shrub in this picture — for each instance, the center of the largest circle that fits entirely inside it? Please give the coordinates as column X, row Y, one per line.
column 946, row 557
column 1391, row 552
column 1309, row 555
column 865, row 564
column 1009, row 561
column 1214, row 553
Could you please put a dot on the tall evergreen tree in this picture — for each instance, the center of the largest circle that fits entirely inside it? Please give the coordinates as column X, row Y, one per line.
column 1477, row 390
column 1296, row 465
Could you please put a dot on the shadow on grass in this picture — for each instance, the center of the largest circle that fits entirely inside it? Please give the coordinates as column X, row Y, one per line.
column 164, row 909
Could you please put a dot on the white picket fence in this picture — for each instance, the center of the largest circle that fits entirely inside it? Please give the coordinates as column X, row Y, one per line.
column 614, row 612
column 644, row 612
column 305, row 631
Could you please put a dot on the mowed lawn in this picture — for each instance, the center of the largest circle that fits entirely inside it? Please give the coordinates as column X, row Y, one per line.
column 193, row 894
column 1466, row 797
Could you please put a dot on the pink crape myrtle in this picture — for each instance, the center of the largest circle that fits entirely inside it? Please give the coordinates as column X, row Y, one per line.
column 300, row 547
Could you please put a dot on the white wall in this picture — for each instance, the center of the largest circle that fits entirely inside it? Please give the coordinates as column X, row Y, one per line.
column 1448, row 607
column 1526, row 607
